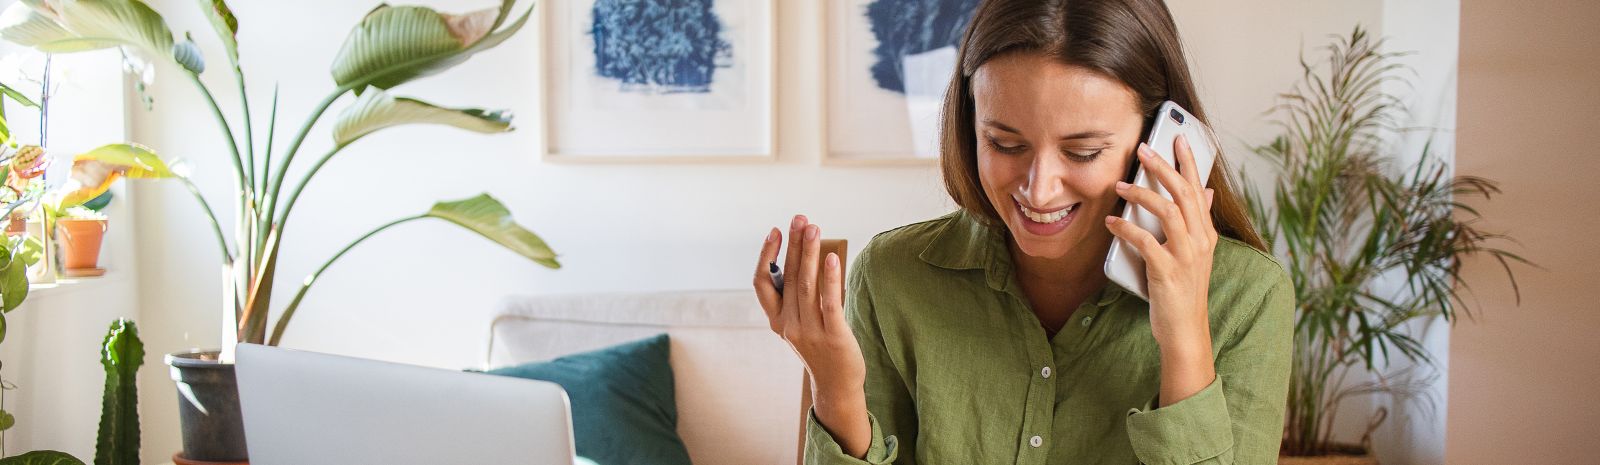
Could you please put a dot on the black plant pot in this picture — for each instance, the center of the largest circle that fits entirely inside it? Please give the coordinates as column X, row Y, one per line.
column 208, row 407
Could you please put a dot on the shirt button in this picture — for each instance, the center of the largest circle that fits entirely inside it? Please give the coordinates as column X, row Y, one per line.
column 1086, row 321
column 1035, row 441
column 1045, row 372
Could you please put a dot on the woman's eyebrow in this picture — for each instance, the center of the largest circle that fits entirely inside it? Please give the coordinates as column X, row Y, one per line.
column 1093, row 134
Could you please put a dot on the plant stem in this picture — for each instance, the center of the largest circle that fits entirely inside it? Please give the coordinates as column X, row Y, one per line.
column 288, row 155
column 216, row 111
column 288, row 312
column 249, row 132
column 44, row 104
column 246, row 226
column 266, row 155
column 222, row 241
column 2, row 409
column 264, row 215
column 283, row 218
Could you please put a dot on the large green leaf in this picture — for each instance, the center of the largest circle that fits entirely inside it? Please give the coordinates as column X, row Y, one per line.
column 393, row 45
column 94, row 171
column 25, row 25
column 13, row 279
column 225, row 23
column 489, row 218
column 67, row 26
column 13, row 284
column 129, row 21
column 79, row 25
column 42, row 457
column 6, row 419
column 17, row 96
column 377, row 109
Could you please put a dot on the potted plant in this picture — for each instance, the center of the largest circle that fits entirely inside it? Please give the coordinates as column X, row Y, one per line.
column 1343, row 221
column 389, row 47
column 79, row 232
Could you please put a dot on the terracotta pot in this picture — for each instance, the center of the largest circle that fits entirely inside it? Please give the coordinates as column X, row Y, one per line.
column 17, row 225
column 1342, row 454
column 80, row 243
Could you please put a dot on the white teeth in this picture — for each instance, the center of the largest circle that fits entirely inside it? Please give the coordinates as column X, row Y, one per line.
column 1049, row 217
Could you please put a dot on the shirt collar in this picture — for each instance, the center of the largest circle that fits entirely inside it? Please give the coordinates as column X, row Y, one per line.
column 965, row 243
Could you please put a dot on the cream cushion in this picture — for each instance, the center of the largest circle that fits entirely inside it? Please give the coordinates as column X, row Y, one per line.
column 738, row 384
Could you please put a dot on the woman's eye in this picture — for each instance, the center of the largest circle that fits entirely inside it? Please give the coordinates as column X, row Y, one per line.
column 1082, row 157
column 1009, row 149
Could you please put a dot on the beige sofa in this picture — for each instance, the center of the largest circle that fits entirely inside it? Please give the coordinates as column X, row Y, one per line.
column 738, row 384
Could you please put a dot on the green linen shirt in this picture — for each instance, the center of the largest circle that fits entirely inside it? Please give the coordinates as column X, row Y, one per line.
column 959, row 370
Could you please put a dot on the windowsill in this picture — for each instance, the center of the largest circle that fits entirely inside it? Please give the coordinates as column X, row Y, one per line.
column 64, row 286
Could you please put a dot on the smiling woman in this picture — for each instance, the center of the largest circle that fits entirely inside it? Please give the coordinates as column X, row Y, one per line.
column 991, row 334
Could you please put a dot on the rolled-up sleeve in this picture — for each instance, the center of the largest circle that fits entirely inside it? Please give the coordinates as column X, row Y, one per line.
column 891, row 410
column 1238, row 418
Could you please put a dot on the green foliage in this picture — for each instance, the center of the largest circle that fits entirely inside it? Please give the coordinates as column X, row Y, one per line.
column 1346, row 222
column 390, row 46
column 121, row 355
column 42, row 457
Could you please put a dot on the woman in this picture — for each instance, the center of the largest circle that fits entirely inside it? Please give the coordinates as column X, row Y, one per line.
column 991, row 335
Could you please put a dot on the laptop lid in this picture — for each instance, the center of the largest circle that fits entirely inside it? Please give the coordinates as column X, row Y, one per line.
column 304, row 408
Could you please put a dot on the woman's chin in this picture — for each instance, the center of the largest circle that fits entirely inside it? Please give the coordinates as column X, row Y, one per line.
column 1051, row 248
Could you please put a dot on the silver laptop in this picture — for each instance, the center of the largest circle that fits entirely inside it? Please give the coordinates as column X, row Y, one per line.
column 303, row 408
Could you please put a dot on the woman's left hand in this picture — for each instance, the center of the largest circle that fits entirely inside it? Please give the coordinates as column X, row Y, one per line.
column 1178, row 272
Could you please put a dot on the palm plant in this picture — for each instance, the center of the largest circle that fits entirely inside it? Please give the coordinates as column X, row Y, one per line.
column 391, row 46
column 1348, row 225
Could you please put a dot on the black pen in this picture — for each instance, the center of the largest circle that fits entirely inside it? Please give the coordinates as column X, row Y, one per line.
column 777, row 276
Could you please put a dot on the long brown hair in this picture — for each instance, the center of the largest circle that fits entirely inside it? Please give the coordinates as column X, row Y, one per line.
column 1132, row 41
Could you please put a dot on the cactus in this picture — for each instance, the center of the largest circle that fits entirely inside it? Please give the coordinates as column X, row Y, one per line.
column 121, row 355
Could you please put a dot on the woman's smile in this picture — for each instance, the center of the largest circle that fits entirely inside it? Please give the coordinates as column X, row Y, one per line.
column 1048, row 222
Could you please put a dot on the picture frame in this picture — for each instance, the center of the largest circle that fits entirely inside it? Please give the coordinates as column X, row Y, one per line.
column 881, row 100
column 604, row 98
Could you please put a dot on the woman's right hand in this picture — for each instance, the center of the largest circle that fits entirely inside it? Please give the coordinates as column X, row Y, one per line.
column 810, row 315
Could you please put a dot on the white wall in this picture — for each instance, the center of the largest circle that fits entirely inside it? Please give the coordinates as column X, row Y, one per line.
column 423, row 293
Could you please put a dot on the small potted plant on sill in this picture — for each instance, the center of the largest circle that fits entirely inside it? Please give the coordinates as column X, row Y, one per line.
column 79, row 233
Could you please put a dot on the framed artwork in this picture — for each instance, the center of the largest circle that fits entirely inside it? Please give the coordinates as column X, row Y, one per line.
column 886, row 66
column 658, row 80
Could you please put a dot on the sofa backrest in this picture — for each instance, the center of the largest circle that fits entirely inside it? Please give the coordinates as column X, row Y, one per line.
column 738, row 384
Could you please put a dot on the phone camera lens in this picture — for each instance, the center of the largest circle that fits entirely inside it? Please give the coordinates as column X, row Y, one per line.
column 1176, row 116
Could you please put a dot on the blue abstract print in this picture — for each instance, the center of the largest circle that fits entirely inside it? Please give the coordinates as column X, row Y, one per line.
column 659, row 46
column 908, row 27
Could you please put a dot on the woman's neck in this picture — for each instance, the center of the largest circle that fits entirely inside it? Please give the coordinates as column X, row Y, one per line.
column 1066, row 280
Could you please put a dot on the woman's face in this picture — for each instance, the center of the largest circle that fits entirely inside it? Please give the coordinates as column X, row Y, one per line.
column 1053, row 140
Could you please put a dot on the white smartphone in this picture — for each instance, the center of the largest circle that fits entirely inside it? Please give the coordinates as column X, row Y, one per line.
column 1124, row 265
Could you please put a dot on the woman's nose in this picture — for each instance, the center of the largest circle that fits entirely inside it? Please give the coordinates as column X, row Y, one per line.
column 1047, row 176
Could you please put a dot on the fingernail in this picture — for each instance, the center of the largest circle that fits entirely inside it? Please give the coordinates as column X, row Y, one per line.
column 1183, row 140
column 772, row 235
column 799, row 220
column 812, row 231
column 1122, row 186
column 1111, row 219
column 833, row 260
column 1144, row 149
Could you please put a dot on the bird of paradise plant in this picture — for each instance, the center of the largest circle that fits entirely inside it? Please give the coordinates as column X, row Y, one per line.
column 392, row 45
